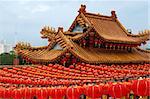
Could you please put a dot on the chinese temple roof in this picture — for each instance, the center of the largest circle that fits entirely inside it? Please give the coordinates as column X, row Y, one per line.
column 108, row 28
column 88, row 55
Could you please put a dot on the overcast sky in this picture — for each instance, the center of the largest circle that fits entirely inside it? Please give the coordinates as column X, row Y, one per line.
column 22, row 20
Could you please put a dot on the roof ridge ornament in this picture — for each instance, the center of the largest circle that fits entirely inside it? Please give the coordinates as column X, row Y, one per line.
column 113, row 14
column 144, row 32
column 60, row 29
column 48, row 33
column 23, row 45
column 82, row 9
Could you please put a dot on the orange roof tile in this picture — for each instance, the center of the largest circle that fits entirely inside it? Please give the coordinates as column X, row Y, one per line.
column 111, row 30
column 42, row 55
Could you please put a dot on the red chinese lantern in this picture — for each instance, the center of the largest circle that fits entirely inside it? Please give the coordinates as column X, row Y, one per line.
column 7, row 93
column 49, row 91
column 74, row 92
column 93, row 91
column 141, row 87
column 117, row 90
column 96, row 41
column 68, row 55
column 99, row 41
column 74, row 60
column 84, row 35
column 33, row 91
column 128, row 86
column 2, row 92
column 91, row 41
column 60, row 68
column 16, row 94
column 27, row 93
column 41, row 93
column 45, row 93
column 50, row 65
column 148, row 91
column 58, row 93
column 84, row 42
column 5, row 69
column 71, row 67
column 92, row 34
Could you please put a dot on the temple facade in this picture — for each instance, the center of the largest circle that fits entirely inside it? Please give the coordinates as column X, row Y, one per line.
column 92, row 38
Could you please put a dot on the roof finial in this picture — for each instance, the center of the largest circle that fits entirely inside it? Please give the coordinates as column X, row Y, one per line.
column 82, row 9
column 60, row 29
column 113, row 14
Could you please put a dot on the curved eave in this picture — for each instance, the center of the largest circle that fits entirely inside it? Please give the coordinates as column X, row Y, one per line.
column 96, row 56
column 142, row 50
column 138, row 42
column 42, row 56
column 30, row 48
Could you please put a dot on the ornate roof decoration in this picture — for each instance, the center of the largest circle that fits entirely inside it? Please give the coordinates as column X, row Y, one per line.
column 142, row 34
column 23, row 45
column 82, row 9
column 48, row 33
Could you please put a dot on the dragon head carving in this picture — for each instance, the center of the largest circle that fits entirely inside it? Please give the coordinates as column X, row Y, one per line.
column 48, row 33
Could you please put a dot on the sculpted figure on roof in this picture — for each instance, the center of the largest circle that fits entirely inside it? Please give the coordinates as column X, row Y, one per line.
column 23, row 45
column 48, row 33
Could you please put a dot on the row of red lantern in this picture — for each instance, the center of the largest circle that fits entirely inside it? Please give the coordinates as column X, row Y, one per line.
column 44, row 82
column 121, row 66
column 125, row 66
column 49, row 70
column 116, row 90
column 33, row 69
column 34, row 72
column 144, row 67
column 29, row 81
column 113, row 72
column 68, row 57
column 87, row 65
column 83, row 73
column 58, row 74
column 96, row 41
column 112, row 69
column 28, row 93
column 67, row 78
column 108, row 69
column 34, row 80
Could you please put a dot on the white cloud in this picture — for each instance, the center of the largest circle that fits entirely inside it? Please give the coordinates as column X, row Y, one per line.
column 28, row 11
column 22, row 17
column 40, row 8
column 27, row 16
column 22, row 2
